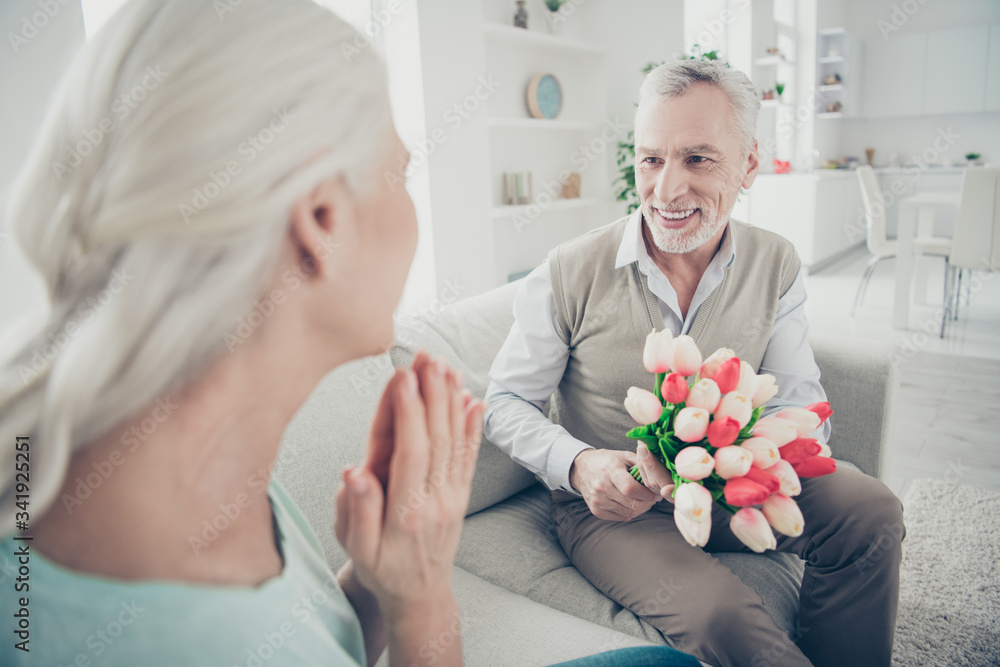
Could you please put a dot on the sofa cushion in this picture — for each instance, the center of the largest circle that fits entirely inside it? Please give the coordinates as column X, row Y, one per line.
column 514, row 545
column 501, row 628
column 469, row 334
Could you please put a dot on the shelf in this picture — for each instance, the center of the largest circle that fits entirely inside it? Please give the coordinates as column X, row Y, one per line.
column 773, row 60
column 556, row 205
column 833, row 86
column 542, row 124
column 509, row 33
column 830, row 59
column 831, row 31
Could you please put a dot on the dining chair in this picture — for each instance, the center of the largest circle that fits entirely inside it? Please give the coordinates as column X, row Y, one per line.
column 879, row 246
column 976, row 244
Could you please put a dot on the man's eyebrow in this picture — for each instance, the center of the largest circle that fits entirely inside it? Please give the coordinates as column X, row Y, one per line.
column 698, row 150
column 646, row 150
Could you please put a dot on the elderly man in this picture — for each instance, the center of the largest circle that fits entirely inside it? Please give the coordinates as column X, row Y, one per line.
column 581, row 319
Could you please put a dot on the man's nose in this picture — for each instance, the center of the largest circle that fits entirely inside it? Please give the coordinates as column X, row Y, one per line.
column 672, row 183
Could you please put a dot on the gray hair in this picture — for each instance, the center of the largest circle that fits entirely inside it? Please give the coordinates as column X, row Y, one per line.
column 673, row 79
column 154, row 219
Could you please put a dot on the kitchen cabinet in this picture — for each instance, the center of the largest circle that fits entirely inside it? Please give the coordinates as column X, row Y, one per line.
column 992, row 102
column 894, row 75
column 956, row 70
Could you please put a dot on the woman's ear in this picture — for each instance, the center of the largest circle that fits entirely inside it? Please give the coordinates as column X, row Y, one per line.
column 316, row 222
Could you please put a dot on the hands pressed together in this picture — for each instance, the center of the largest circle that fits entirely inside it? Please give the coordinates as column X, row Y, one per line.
column 400, row 513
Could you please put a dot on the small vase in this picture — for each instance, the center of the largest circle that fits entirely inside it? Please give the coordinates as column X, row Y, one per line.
column 554, row 21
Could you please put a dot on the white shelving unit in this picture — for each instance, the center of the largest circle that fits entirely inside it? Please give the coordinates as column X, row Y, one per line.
column 774, row 28
column 547, row 148
column 833, row 58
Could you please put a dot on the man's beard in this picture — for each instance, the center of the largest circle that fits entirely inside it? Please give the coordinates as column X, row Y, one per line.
column 683, row 240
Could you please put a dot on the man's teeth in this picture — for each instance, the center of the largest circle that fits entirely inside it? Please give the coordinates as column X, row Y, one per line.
column 675, row 215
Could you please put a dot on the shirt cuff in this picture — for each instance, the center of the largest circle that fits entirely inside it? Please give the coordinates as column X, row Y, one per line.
column 560, row 461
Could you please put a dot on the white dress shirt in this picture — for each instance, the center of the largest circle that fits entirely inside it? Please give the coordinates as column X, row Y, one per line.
column 532, row 361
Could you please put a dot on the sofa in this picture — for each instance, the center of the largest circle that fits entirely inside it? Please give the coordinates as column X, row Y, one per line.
column 521, row 600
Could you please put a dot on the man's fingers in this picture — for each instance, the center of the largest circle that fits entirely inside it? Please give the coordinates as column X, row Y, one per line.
column 635, row 492
column 654, row 474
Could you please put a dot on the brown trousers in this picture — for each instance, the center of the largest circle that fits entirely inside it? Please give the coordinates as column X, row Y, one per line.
column 847, row 606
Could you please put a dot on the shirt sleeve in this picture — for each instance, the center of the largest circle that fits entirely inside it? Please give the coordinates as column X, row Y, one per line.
column 525, row 373
column 789, row 358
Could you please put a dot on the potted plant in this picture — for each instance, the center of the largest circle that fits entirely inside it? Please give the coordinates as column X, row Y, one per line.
column 780, row 88
column 972, row 157
column 555, row 19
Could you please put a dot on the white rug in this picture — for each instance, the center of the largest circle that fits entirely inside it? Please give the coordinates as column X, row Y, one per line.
column 949, row 601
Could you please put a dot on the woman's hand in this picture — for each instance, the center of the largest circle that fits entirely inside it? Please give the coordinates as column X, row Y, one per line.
column 400, row 514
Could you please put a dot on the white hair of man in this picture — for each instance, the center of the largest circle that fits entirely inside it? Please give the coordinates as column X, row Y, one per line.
column 673, row 79
column 155, row 201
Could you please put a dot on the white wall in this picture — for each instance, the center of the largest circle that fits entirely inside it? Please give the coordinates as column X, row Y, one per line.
column 28, row 74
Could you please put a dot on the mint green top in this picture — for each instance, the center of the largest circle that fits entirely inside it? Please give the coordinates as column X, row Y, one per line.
column 300, row 617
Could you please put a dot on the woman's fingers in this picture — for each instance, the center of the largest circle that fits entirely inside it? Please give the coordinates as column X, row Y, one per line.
column 435, row 389
column 380, row 442
column 365, row 508
column 341, row 524
column 473, row 439
column 408, row 469
column 456, row 414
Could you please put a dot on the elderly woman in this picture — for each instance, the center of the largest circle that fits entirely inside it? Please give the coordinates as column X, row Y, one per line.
column 198, row 166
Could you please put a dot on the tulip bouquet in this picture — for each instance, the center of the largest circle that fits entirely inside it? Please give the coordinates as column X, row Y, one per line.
column 703, row 422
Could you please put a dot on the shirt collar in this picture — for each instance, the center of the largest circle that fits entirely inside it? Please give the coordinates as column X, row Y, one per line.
column 633, row 249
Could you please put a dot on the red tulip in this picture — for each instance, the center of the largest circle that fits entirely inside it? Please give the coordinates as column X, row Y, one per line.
column 764, row 478
column 815, row 466
column 743, row 492
column 674, row 388
column 723, row 432
column 728, row 375
column 822, row 409
column 799, row 450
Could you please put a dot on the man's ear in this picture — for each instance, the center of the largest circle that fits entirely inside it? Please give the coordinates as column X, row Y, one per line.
column 315, row 220
column 752, row 166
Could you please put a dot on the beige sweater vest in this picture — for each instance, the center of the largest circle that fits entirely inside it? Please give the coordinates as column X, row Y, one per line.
column 605, row 313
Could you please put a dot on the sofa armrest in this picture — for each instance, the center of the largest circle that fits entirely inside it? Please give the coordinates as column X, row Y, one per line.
column 860, row 380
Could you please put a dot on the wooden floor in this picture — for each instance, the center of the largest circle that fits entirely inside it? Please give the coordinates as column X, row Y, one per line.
column 945, row 422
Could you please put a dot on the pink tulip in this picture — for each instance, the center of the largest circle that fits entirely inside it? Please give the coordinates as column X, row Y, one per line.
column 816, row 466
column 722, row 432
column 822, row 409
column 659, row 351
column 787, row 478
column 696, row 533
column 779, row 431
column 765, row 389
column 674, row 388
column 741, row 492
column 784, row 515
column 735, row 405
column 748, row 380
column 693, row 463
column 732, row 462
column 704, row 394
column 717, row 358
column 752, row 529
column 643, row 406
column 690, row 424
column 728, row 375
column 687, row 356
column 824, row 450
column 693, row 501
column 765, row 479
column 765, row 453
column 799, row 450
column 806, row 421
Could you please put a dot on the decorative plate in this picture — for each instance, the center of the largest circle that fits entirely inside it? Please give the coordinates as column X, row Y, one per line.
column 544, row 96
